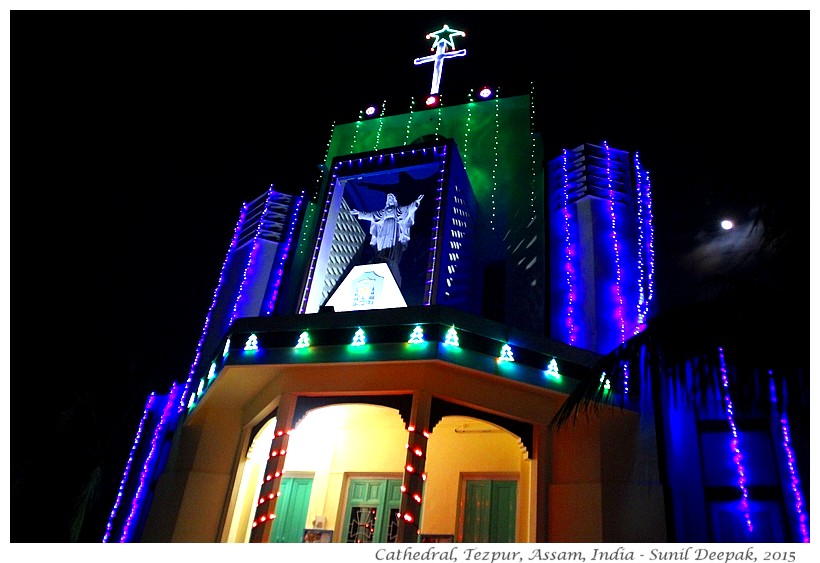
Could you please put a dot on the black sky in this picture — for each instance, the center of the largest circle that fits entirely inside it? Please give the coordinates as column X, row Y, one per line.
column 138, row 135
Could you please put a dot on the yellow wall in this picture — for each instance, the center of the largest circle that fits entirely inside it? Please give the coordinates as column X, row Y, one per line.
column 333, row 444
column 459, row 446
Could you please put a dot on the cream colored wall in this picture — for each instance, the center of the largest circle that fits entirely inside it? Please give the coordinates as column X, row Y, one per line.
column 462, row 445
column 334, row 442
column 337, row 442
column 252, row 467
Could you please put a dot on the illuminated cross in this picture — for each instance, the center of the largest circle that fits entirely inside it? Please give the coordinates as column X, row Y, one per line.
column 443, row 38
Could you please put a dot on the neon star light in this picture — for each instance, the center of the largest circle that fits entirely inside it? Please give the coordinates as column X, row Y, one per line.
column 442, row 39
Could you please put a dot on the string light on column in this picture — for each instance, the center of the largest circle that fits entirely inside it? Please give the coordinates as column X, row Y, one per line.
column 569, row 253
column 737, row 456
column 282, row 252
column 791, row 462
column 467, row 124
column 183, row 400
column 148, row 404
column 413, row 480
column 356, row 133
column 322, row 224
column 495, row 166
column 409, row 122
column 148, row 467
column 619, row 312
column 265, row 503
column 650, row 241
column 381, row 124
column 240, row 296
column 434, row 248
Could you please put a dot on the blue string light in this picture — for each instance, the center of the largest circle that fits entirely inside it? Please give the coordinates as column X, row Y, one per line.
column 737, row 456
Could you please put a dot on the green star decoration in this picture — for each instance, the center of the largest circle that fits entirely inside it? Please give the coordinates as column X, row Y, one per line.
column 440, row 37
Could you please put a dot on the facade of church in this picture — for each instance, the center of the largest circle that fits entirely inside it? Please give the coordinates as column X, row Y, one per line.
column 382, row 363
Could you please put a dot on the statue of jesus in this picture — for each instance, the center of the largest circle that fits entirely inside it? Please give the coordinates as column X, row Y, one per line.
column 390, row 228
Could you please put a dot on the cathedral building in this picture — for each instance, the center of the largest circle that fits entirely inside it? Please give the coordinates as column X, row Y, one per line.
column 383, row 361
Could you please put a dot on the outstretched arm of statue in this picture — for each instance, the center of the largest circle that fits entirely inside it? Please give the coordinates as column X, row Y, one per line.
column 418, row 199
column 366, row 215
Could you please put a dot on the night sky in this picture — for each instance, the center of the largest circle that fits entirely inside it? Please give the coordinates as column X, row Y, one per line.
column 138, row 136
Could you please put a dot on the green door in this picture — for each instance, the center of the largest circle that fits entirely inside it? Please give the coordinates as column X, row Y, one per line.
column 291, row 510
column 489, row 511
column 372, row 510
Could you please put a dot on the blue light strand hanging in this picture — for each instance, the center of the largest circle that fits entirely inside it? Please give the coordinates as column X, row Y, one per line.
column 646, row 251
column 240, row 295
column 791, row 462
column 737, row 456
column 409, row 122
column 282, row 251
column 494, row 170
column 195, row 364
column 148, row 404
column 619, row 311
column 569, row 254
column 381, row 125
column 148, row 466
column 428, row 300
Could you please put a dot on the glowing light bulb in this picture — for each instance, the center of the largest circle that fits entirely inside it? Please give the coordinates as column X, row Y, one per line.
column 726, row 224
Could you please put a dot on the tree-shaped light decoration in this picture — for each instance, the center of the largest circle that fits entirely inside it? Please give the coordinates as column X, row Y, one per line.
column 227, row 347
column 506, row 354
column 212, row 371
column 605, row 381
column 552, row 369
column 358, row 338
column 304, row 340
column 201, row 389
column 451, row 338
column 252, row 343
column 417, row 337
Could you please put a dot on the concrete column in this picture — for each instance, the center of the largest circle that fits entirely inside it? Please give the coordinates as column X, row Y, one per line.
column 266, row 503
column 542, row 446
column 418, row 430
